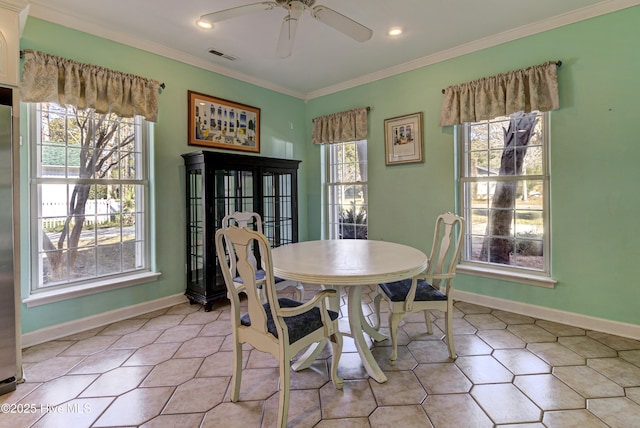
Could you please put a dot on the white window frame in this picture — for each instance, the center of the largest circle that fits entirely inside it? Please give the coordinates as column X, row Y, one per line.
column 41, row 294
column 335, row 190
column 494, row 270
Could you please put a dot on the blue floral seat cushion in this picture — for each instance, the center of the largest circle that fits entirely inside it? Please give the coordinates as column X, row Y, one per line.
column 299, row 325
column 397, row 291
column 260, row 275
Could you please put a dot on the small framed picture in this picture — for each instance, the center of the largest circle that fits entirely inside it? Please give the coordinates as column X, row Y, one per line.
column 223, row 124
column 403, row 139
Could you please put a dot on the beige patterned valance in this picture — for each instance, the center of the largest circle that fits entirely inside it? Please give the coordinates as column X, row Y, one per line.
column 48, row 78
column 340, row 127
column 529, row 89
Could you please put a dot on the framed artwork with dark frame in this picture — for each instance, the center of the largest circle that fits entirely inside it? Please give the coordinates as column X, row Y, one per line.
column 403, row 139
column 214, row 122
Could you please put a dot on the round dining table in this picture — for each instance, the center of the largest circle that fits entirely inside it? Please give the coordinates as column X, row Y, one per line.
column 352, row 264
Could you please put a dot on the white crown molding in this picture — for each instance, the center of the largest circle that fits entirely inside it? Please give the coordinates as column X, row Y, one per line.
column 14, row 5
column 480, row 44
column 586, row 322
column 40, row 11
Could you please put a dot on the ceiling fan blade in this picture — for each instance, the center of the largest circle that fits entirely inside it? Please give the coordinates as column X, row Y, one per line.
column 288, row 30
column 287, row 34
column 341, row 23
column 233, row 12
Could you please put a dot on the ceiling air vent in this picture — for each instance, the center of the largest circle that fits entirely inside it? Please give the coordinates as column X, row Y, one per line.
column 223, row 55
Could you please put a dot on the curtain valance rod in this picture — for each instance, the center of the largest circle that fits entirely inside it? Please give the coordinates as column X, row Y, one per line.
column 558, row 64
column 22, row 52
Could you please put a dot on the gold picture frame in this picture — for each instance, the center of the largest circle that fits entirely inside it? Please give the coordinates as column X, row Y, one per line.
column 403, row 139
column 215, row 122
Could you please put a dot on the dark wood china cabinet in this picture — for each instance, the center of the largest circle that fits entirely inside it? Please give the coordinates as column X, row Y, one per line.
column 218, row 184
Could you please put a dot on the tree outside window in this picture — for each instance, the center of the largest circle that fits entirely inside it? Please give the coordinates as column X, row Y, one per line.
column 504, row 191
column 88, row 196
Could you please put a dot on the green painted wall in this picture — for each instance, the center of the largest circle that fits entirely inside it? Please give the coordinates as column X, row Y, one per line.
column 279, row 114
column 594, row 157
column 594, row 161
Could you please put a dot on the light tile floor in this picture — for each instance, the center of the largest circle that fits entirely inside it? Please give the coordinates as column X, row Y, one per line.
column 172, row 368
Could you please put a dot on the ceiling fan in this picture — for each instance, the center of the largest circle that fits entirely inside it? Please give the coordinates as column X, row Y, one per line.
column 295, row 9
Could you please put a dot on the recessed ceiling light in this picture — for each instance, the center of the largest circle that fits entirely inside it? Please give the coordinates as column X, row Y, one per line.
column 204, row 24
column 395, row 31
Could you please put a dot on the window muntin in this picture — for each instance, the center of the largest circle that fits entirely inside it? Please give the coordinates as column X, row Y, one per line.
column 512, row 235
column 347, row 190
column 89, row 189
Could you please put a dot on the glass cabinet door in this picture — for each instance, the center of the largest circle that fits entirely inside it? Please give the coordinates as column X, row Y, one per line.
column 219, row 184
column 195, row 230
column 279, row 207
column 234, row 192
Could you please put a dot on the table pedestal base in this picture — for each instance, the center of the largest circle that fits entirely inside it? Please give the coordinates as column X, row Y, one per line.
column 358, row 326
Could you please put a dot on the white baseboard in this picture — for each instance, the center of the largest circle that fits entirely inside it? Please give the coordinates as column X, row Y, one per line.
column 586, row 322
column 77, row 326
column 58, row 331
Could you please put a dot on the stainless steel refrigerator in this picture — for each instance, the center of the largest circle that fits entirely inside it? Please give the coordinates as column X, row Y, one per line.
column 8, row 363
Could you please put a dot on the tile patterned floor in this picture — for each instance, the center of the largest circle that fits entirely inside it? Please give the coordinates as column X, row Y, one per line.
column 172, row 368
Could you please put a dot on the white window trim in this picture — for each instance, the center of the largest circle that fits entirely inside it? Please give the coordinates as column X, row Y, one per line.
column 521, row 277
column 41, row 296
column 95, row 287
column 328, row 184
column 508, row 273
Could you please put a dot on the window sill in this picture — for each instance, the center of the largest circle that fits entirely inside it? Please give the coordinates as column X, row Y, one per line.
column 46, row 297
column 518, row 277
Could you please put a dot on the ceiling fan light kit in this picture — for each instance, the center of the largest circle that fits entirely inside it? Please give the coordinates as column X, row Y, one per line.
column 204, row 24
column 295, row 9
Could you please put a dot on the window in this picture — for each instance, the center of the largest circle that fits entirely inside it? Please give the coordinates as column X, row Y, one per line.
column 504, row 193
column 347, row 190
column 89, row 187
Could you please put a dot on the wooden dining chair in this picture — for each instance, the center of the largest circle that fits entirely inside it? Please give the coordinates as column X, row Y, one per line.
column 281, row 326
column 430, row 290
column 254, row 221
